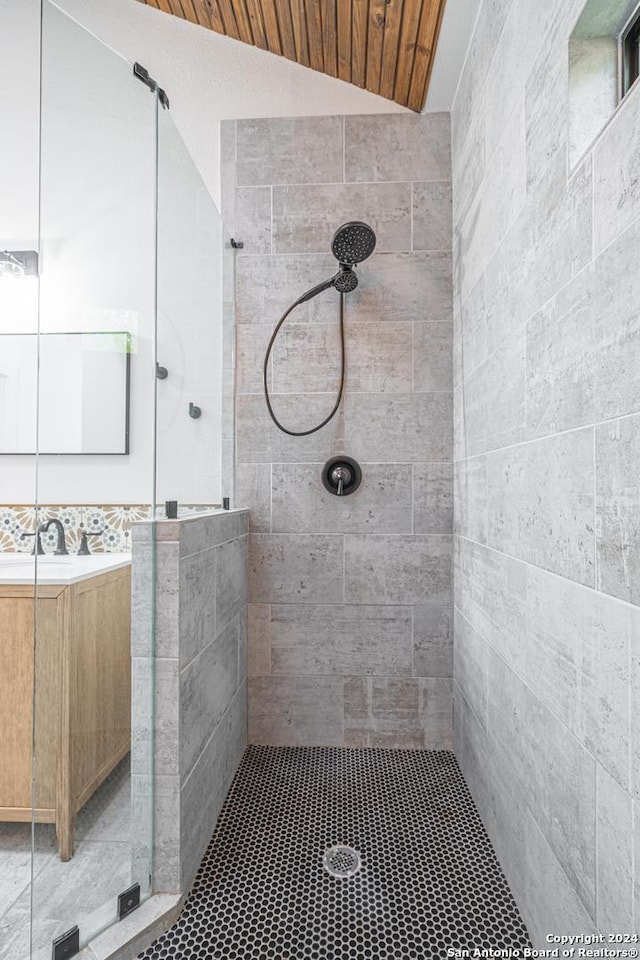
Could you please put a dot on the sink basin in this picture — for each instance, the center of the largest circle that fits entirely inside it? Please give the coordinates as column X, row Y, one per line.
column 20, row 568
column 13, row 558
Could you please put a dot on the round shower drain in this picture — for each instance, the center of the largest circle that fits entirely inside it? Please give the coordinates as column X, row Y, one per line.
column 341, row 861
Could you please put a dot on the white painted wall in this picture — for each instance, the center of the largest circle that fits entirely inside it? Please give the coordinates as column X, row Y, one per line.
column 455, row 36
column 210, row 77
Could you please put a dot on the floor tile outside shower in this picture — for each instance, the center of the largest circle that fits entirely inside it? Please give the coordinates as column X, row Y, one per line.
column 65, row 893
column 428, row 878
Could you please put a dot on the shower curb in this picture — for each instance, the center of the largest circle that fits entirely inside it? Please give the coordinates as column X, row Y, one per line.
column 126, row 939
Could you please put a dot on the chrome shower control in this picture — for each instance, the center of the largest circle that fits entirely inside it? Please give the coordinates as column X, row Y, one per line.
column 341, row 476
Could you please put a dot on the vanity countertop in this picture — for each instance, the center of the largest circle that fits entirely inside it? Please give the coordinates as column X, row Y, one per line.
column 19, row 568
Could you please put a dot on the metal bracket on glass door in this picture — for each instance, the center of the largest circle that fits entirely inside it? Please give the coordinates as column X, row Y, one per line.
column 143, row 74
column 128, row 901
column 67, row 945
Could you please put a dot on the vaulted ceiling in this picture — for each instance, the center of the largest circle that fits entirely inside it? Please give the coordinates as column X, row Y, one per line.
column 385, row 46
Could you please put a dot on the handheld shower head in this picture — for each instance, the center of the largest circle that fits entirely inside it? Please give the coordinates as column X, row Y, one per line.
column 353, row 242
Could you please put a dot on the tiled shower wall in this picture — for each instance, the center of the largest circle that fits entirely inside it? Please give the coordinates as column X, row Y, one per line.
column 547, row 428
column 350, row 599
column 196, row 569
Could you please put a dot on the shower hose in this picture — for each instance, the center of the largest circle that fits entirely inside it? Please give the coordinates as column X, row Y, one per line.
column 303, row 433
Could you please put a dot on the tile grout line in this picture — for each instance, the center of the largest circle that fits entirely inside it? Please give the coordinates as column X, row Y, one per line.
column 529, row 563
column 546, row 436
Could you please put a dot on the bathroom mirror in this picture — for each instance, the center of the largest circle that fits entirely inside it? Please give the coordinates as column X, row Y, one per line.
column 83, row 393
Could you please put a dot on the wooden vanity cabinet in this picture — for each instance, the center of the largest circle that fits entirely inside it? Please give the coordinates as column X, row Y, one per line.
column 81, row 699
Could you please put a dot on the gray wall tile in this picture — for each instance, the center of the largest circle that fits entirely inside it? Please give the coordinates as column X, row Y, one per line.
column 296, row 711
column 403, row 287
column 504, row 386
column 166, row 600
column 231, row 581
column 615, row 293
column 289, row 150
column 470, row 667
column 167, row 866
column 142, row 602
column 251, row 346
column 432, row 640
column 306, row 358
column 341, row 639
column 207, row 686
column 204, row 791
column 253, row 491
column 634, row 698
column 541, row 505
column 382, row 503
column 470, row 499
column 397, row 569
column 266, row 286
column 614, row 833
column 504, row 811
column 436, row 712
column 432, row 498
column 166, row 741
column 253, row 219
column 403, row 427
column 552, row 256
column 396, row 414
column 201, row 532
column 260, row 441
column 561, row 362
column 578, row 644
column 197, row 585
column 615, row 160
column 199, row 725
column 472, row 415
column 432, row 357
column 551, row 900
column 491, row 592
column 293, row 568
column 559, row 772
column 259, row 639
column 398, row 147
column 431, row 204
column 617, row 514
column 636, row 863
column 380, row 357
column 306, row 217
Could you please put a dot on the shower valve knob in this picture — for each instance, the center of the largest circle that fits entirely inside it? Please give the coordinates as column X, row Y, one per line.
column 341, row 476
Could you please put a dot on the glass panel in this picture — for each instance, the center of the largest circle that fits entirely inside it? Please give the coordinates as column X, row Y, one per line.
column 95, row 477
column 191, row 254
column 19, row 58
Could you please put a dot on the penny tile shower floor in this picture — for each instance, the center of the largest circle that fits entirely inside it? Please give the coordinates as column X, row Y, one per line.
column 427, row 880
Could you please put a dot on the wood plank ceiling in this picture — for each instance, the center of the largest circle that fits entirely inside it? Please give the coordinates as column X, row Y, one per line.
column 385, row 46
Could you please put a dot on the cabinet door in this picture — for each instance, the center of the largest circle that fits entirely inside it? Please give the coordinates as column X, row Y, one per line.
column 16, row 702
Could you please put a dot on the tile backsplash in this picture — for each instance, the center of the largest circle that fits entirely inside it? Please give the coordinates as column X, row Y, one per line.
column 108, row 525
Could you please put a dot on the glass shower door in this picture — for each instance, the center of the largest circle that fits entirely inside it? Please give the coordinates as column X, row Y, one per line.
column 192, row 254
column 95, row 452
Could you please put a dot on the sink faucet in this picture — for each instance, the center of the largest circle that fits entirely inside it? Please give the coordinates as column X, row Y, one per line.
column 61, row 546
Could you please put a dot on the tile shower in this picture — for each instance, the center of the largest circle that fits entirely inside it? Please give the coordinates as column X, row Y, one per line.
column 481, row 591
column 350, row 600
